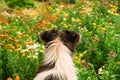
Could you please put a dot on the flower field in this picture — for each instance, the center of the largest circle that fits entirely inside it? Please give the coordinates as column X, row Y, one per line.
column 97, row 56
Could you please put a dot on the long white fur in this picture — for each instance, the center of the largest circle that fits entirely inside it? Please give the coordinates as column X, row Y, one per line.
column 64, row 66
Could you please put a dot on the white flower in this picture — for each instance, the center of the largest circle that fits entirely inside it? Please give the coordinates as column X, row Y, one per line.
column 0, row 27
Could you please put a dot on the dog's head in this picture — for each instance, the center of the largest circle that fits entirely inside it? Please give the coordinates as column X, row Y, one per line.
column 68, row 38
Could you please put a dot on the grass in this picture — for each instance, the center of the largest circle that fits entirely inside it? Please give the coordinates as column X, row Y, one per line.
column 97, row 56
column 3, row 6
column 38, row 4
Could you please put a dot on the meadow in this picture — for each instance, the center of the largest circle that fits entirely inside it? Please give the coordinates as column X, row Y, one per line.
column 97, row 56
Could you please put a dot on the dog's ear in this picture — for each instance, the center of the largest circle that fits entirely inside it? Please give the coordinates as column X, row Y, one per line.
column 43, row 35
column 48, row 35
column 73, row 36
column 76, row 36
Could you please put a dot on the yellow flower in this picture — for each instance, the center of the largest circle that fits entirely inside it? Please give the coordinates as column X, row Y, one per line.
column 19, row 36
column 26, row 42
column 11, row 46
column 90, row 32
column 66, row 15
column 23, row 53
column 10, row 50
column 31, row 42
column 103, row 29
column 114, row 9
column 16, row 50
column 65, row 25
column 83, row 61
column 50, row 8
column 80, row 56
column 17, row 57
column 118, row 62
column 18, row 45
column 94, row 25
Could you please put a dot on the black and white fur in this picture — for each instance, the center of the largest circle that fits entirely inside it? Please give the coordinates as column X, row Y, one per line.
column 58, row 63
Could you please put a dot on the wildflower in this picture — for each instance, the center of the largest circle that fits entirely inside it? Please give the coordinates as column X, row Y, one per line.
column 94, row 25
column 50, row 8
column 3, row 20
column 65, row 25
column 16, row 41
column 71, row 6
column 90, row 32
column 16, row 50
column 31, row 42
column 26, row 42
column 0, row 27
column 80, row 56
column 17, row 57
column 11, row 39
column 17, row 78
column 84, row 63
column 50, row 17
column 2, row 44
column 23, row 53
column 114, row 9
column 118, row 62
column 96, row 40
column 11, row 46
column 19, row 34
column 87, row 39
column 66, row 15
column 5, row 36
column 10, row 50
column 76, row 58
column 6, row 31
column 1, row 35
column 111, row 53
column 9, row 78
column 101, row 28
column 32, row 56
column 18, row 45
column 100, row 71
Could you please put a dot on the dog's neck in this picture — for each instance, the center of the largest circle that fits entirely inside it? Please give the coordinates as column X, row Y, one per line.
column 57, row 53
column 55, row 50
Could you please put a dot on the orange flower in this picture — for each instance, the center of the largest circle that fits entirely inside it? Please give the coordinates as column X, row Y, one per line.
column 11, row 39
column 3, row 20
column 1, row 35
column 6, row 31
column 16, row 41
column 52, row 18
column 96, row 40
column 5, row 36
column 9, row 78
column 11, row 46
column 17, row 78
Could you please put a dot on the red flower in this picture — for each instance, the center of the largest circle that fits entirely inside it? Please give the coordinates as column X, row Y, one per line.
column 111, row 53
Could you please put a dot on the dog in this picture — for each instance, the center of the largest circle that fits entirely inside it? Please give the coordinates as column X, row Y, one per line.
column 58, row 62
